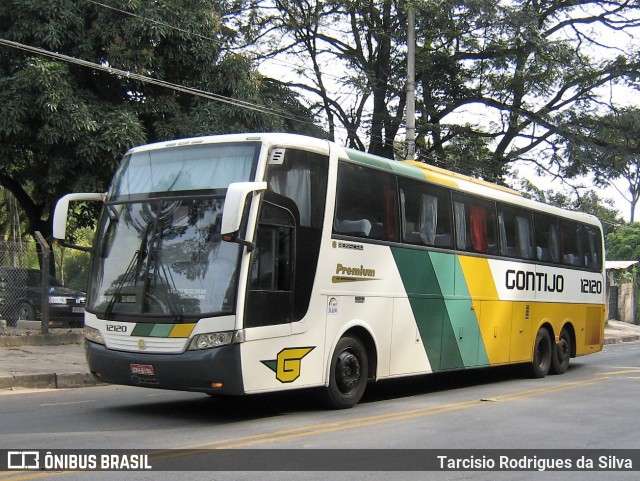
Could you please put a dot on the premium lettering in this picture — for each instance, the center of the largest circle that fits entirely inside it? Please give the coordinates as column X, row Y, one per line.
column 355, row 271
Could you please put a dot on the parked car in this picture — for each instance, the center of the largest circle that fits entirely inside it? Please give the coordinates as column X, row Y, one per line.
column 21, row 298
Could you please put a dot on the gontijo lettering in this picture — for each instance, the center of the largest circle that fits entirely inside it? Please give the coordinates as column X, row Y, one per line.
column 534, row 281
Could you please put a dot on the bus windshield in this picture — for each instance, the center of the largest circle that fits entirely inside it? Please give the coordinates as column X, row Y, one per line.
column 159, row 253
column 199, row 167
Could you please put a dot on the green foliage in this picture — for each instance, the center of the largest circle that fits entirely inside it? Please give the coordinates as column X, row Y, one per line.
column 624, row 243
column 525, row 63
column 608, row 148
column 72, row 265
column 64, row 127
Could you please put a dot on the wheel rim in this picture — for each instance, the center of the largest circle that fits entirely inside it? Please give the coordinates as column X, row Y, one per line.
column 347, row 372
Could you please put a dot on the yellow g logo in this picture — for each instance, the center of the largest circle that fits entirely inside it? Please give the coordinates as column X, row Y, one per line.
column 288, row 364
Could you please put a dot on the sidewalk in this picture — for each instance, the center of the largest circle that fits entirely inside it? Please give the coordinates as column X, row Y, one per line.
column 29, row 359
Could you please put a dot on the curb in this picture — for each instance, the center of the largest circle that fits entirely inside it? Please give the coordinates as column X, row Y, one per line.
column 621, row 339
column 49, row 381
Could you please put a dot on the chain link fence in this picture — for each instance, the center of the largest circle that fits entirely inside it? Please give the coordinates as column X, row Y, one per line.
column 29, row 293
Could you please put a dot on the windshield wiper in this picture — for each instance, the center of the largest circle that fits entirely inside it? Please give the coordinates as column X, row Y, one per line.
column 134, row 267
column 160, row 272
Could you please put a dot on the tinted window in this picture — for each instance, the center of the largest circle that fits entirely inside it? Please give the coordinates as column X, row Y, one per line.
column 546, row 238
column 515, row 232
column 475, row 221
column 366, row 203
column 302, row 177
column 425, row 214
column 571, row 248
column 592, row 246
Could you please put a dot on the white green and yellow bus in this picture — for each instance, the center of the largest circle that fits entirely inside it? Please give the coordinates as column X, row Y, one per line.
column 251, row 263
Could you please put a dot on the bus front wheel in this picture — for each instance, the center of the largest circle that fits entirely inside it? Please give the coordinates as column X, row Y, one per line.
column 542, row 354
column 348, row 374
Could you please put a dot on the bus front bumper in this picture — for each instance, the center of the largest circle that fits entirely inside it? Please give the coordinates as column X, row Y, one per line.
column 212, row 371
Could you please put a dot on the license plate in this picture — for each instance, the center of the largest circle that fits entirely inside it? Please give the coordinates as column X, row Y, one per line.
column 77, row 310
column 143, row 369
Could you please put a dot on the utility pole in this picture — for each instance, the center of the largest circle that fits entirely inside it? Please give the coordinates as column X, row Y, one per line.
column 411, row 85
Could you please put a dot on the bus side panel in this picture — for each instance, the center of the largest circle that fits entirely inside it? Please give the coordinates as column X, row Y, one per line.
column 373, row 313
column 273, row 359
column 361, row 283
column 442, row 307
column 408, row 354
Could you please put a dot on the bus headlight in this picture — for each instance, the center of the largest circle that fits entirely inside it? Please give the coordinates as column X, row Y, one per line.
column 93, row 335
column 211, row 340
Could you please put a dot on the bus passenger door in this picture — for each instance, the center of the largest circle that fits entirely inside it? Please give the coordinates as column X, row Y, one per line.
column 270, row 292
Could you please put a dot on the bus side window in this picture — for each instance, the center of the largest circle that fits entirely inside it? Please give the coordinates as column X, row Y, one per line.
column 514, row 227
column 570, row 244
column 425, row 214
column 475, row 221
column 591, row 242
column 546, row 237
column 366, row 203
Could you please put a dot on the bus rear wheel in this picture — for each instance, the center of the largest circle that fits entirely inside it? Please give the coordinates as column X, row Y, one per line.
column 542, row 354
column 348, row 374
column 562, row 353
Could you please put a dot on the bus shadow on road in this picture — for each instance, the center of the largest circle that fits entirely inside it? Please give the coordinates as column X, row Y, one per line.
column 230, row 409
column 448, row 381
column 438, row 382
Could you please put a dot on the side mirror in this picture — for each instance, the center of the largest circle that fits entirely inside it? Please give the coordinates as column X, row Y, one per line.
column 234, row 209
column 62, row 211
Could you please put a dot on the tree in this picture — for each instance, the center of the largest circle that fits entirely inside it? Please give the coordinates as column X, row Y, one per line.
column 523, row 64
column 522, row 67
column 63, row 126
column 608, row 148
column 624, row 243
column 348, row 58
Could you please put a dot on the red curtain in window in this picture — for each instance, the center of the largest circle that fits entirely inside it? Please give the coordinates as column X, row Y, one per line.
column 478, row 224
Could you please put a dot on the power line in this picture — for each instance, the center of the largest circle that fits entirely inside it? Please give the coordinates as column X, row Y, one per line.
column 204, row 37
column 177, row 87
column 157, row 22
column 153, row 81
column 220, row 43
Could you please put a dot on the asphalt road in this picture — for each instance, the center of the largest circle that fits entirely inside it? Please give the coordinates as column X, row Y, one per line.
column 594, row 406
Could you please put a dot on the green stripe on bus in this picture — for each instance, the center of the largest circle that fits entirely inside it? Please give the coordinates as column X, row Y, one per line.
column 142, row 329
column 442, row 308
column 384, row 163
column 161, row 330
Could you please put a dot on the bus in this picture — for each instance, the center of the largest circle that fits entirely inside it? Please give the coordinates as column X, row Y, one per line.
column 252, row 263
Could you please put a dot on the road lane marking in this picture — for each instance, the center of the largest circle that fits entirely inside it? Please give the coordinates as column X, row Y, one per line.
column 68, row 403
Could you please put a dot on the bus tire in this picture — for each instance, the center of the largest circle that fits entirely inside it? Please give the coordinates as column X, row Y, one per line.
column 542, row 354
column 348, row 374
column 562, row 353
